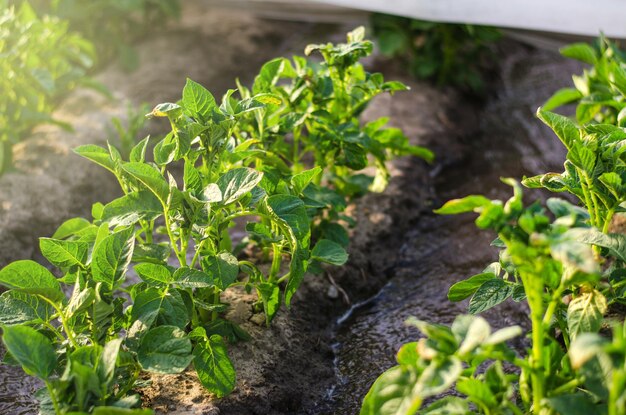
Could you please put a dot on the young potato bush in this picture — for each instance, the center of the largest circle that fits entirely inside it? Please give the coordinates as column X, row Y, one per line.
column 41, row 62
column 449, row 54
column 117, row 26
column 220, row 164
column 311, row 116
column 599, row 93
column 542, row 262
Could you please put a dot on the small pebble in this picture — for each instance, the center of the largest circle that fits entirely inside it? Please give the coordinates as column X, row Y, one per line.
column 258, row 319
column 333, row 292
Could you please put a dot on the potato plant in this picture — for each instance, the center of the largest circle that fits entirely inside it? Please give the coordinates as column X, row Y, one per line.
column 542, row 262
column 73, row 343
column 315, row 116
column 41, row 62
column 448, row 54
column 600, row 92
column 118, row 25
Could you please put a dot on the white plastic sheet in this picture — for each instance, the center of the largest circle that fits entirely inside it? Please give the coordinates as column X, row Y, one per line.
column 581, row 17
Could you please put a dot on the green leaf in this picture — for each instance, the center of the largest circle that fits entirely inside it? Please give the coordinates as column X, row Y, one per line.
column 291, row 210
column 154, row 273
column 198, row 100
column 98, row 155
column 31, row 349
column 223, row 269
column 214, row 368
column 131, row 208
column 22, row 308
column 580, row 51
column 30, row 277
column 448, row 405
column 585, row 313
column 503, row 335
column 108, row 360
column 237, row 182
column 464, row 289
column 247, row 105
column 562, row 126
column 614, row 242
column 466, row 204
column 80, row 300
column 70, row 227
column 64, row 254
column 165, row 349
column 613, row 182
column 151, row 178
column 187, row 277
column 138, row 152
column 585, row 347
column 329, row 252
column 154, row 307
column 154, row 253
column 471, row 332
column 401, row 390
column 574, row 404
column 268, row 75
column 477, row 392
column 167, row 109
column 392, row 394
column 111, row 257
column 576, row 255
column 562, row 97
column 289, row 215
column 490, row 294
column 301, row 180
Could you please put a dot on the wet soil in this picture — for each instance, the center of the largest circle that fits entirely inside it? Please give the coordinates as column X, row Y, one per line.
column 402, row 257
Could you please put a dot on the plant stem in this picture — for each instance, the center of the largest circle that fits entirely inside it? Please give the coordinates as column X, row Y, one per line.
column 276, row 258
column 216, row 301
column 566, row 387
column 533, row 285
column 607, row 220
column 63, row 319
column 53, row 398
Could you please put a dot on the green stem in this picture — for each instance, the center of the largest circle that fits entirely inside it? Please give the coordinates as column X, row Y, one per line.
column 63, row 319
column 216, row 301
column 594, row 199
column 566, row 387
column 197, row 254
column 533, row 285
column 129, row 385
column 182, row 260
column 276, row 258
column 607, row 220
column 283, row 279
column 53, row 398
column 54, row 330
column 589, row 203
column 554, row 302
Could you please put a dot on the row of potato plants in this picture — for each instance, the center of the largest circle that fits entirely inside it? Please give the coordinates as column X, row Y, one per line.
column 41, row 62
column 565, row 265
column 49, row 48
column 285, row 156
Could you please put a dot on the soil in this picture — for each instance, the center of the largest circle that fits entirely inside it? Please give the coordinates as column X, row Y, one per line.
column 288, row 368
